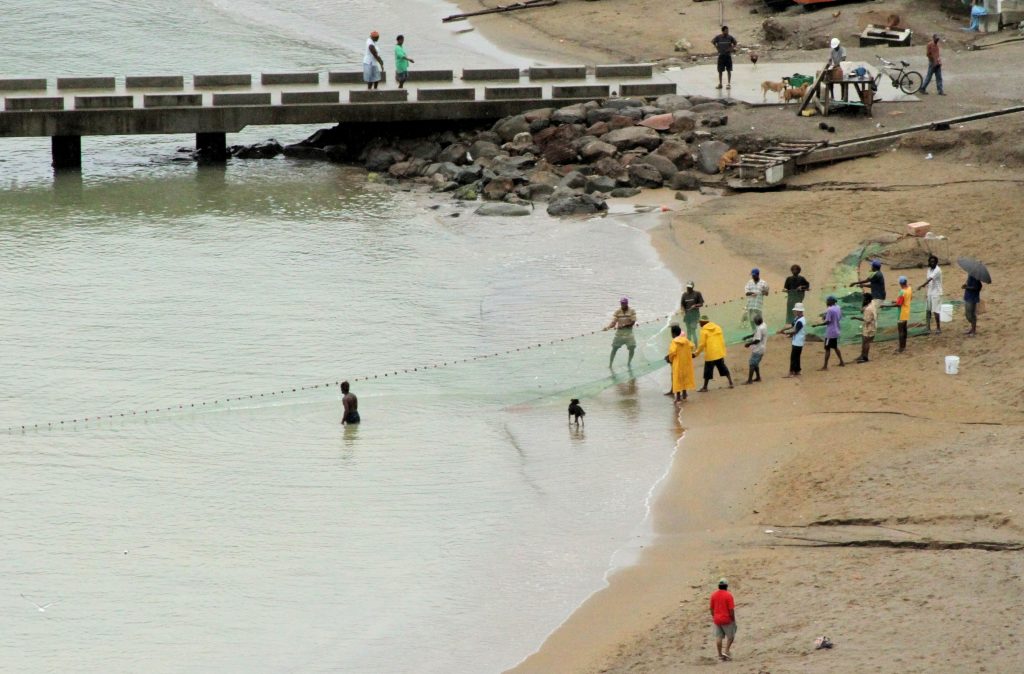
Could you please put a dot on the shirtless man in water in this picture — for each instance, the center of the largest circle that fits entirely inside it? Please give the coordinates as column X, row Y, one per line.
column 351, row 404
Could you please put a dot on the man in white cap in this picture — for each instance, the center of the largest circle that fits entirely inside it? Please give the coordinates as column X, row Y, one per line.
column 723, row 615
column 623, row 321
column 798, row 332
column 691, row 303
column 835, row 63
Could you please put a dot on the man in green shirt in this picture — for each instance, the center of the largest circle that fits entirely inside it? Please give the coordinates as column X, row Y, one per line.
column 402, row 62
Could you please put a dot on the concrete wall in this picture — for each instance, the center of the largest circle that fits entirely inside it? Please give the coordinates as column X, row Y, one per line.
column 485, row 74
column 431, row 75
column 561, row 73
column 23, row 84
column 56, row 103
column 103, row 102
column 625, row 70
column 378, row 96
column 242, row 99
column 445, row 94
column 351, row 77
column 209, row 81
column 511, row 93
column 581, row 91
column 154, row 82
column 290, row 78
column 647, row 89
column 85, row 82
column 308, row 97
column 172, row 100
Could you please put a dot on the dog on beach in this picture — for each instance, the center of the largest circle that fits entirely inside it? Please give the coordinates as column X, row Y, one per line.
column 777, row 87
column 575, row 411
column 794, row 93
column 729, row 158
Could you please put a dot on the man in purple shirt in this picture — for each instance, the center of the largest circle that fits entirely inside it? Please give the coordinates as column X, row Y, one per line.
column 831, row 319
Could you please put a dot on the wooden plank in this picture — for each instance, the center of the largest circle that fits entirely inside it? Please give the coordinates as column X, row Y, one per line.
column 850, row 151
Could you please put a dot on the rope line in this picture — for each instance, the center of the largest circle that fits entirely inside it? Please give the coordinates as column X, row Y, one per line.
column 310, row 387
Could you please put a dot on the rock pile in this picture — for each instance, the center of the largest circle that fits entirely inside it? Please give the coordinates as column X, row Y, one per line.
column 572, row 157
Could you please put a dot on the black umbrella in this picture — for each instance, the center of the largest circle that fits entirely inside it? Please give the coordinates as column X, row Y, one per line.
column 976, row 269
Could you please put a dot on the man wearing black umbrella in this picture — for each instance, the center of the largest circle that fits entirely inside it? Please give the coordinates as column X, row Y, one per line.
column 972, row 296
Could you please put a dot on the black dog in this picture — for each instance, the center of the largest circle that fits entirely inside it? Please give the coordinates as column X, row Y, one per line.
column 575, row 411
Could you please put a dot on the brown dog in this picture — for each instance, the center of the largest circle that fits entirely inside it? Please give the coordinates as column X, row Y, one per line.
column 777, row 87
column 794, row 93
column 729, row 158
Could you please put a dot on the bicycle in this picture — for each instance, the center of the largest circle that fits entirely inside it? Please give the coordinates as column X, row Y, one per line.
column 907, row 81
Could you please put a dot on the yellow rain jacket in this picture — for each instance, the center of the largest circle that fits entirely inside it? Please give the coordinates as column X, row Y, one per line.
column 712, row 342
column 680, row 352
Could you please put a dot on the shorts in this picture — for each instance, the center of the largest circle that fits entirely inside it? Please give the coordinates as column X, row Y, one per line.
column 352, row 417
column 831, row 343
column 402, row 77
column 371, row 72
column 755, row 359
column 724, row 62
column 711, row 365
column 934, row 303
column 971, row 312
column 723, row 631
column 627, row 340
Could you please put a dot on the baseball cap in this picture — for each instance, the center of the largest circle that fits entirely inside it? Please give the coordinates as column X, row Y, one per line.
column 755, row 271
column 689, row 284
column 704, row 318
column 902, row 280
column 723, row 581
column 835, row 42
column 876, row 264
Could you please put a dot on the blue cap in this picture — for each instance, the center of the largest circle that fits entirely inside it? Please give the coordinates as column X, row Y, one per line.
column 876, row 264
column 831, row 298
column 755, row 272
column 903, row 279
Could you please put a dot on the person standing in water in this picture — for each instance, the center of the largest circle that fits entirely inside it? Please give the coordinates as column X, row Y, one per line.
column 623, row 321
column 402, row 62
column 350, row 403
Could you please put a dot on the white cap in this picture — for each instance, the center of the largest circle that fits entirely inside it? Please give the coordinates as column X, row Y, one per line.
column 799, row 306
column 835, row 42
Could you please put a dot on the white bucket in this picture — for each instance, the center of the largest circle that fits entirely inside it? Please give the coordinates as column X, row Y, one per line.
column 952, row 364
column 946, row 313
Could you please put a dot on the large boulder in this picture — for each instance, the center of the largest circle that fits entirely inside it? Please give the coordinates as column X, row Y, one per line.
column 597, row 149
column 542, row 176
column 683, row 121
column 624, row 192
column 620, row 122
column 673, row 102
column 469, row 174
column 454, row 154
column 559, row 152
column 571, row 114
column 665, row 167
column 447, row 171
column 379, row 159
column 599, row 183
column 573, row 180
column 421, row 149
column 644, row 175
column 658, row 122
column 267, row 150
column 303, row 151
column 684, row 181
column 708, row 155
column 502, row 209
column 611, row 167
column 535, row 191
column 598, row 129
column 538, row 114
column 676, row 152
column 484, row 149
column 510, row 126
column 774, row 31
column 497, row 188
column 631, row 137
column 601, row 114
column 574, row 204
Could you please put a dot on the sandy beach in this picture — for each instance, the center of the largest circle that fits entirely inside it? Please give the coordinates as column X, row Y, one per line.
column 878, row 504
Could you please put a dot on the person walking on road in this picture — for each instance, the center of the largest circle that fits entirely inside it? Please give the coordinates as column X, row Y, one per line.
column 623, row 321
column 691, row 303
column 934, row 66
column 726, row 46
column 712, row 345
column 402, row 62
column 972, row 298
column 723, row 616
column 755, row 291
column 373, row 64
column 796, row 286
column 798, row 332
column 830, row 319
column 933, row 299
column 869, row 316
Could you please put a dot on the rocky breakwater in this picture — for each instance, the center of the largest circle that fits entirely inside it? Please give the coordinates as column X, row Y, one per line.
column 573, row 157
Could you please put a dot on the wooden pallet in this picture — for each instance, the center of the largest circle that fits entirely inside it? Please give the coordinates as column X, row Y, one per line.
column 768, row 168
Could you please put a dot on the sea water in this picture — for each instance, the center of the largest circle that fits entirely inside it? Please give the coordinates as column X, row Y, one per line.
column 450, row 532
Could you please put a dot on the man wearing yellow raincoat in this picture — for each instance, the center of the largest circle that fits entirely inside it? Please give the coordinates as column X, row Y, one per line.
column 712, row 344
column 680, row 356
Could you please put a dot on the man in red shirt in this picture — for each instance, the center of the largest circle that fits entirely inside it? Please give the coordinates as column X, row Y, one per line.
column 934, row 66
column 723, row 614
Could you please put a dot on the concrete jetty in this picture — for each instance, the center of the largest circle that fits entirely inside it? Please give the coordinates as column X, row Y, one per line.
column 214, row 105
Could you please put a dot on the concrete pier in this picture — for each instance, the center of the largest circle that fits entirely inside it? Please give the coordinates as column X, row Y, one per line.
column 212, row 146
column 66, row 152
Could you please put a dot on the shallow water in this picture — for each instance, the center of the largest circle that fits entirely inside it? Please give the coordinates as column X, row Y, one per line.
column 450, row 532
